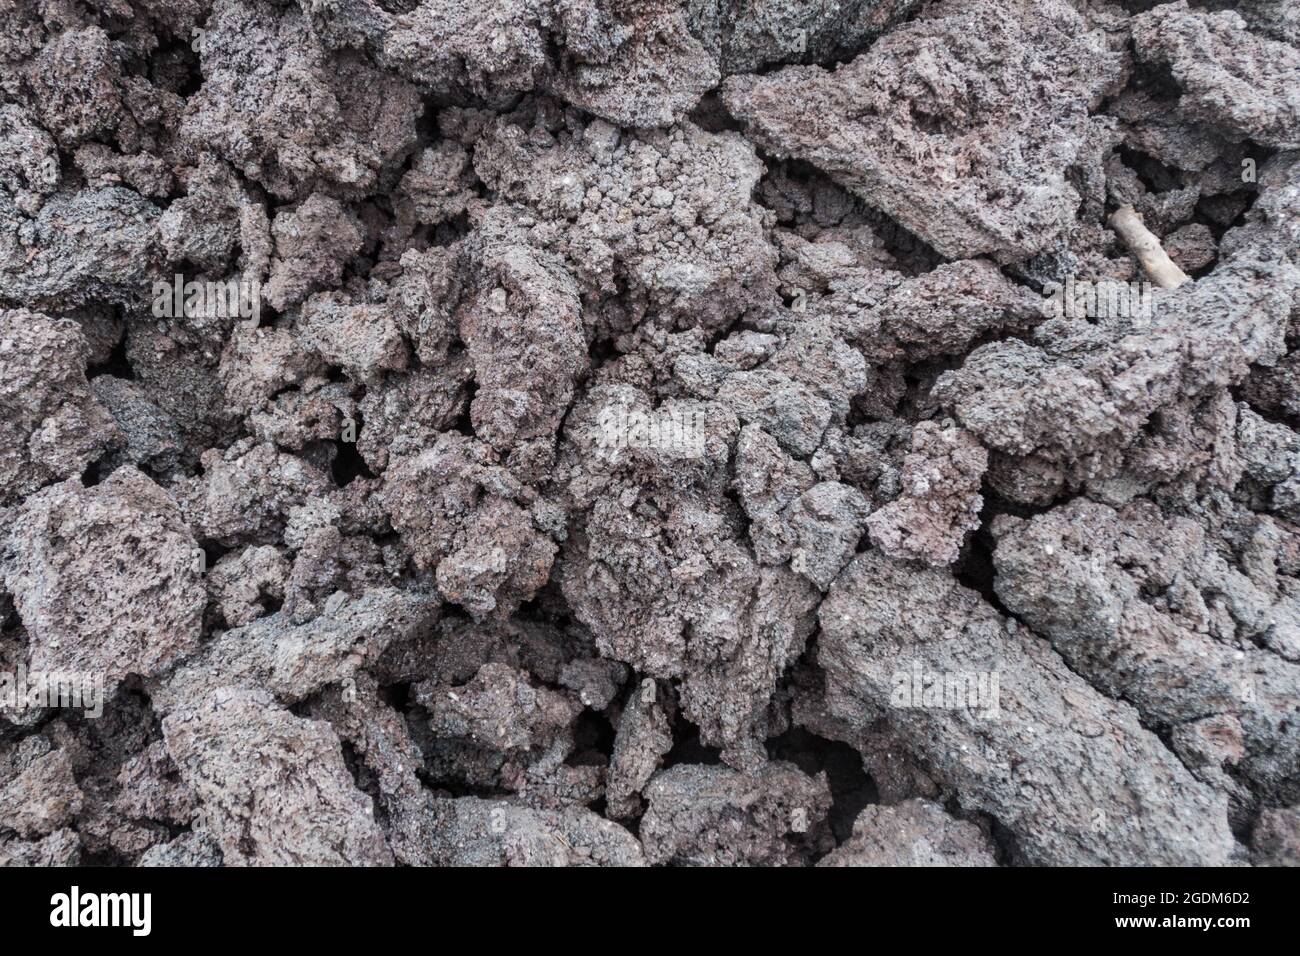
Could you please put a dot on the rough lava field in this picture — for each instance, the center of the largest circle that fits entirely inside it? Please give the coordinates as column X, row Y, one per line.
column 649, row 432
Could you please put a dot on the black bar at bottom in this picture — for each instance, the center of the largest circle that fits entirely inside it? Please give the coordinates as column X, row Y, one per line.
column 303, row 907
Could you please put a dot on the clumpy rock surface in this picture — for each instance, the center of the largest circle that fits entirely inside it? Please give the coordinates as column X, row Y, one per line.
column 969, row 156
column 649, row 433
column 305, row 808
column 104, row 578
column 913, row 833
column 1014, row 726
column 54, row 426
column 714, row 816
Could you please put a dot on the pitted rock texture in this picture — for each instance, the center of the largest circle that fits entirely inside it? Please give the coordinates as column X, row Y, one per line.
column 648, row 433
column 913, row 833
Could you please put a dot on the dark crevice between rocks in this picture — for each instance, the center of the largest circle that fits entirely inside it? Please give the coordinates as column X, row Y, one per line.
column 454, row 786
column 913, row 254
column 449, row 231
column 974, row 568
column 1206, row 214
column 397, row 7
column 271, row 604
column 601, row 352
column 851, row 788
column 687, row 747
column 548, row 607
column 347, row 463
column 182, row 63
column 117, row 364
column 593, row 738
column 1162, row 730
column 593, row 746
column 464, row 421
column 711, row 115
column 1005, row 845
column 212, row 553
column 366, row 781
column 1273, row 415
column 397, row 696
column 1153, row 174
column 94, row 473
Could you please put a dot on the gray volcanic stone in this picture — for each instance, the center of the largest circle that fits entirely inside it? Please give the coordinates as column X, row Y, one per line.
column 649, row 432
column 926, row 138
column 1070, row 772
column 105, row 578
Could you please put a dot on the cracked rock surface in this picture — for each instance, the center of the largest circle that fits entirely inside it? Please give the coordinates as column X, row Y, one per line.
column 648, row 433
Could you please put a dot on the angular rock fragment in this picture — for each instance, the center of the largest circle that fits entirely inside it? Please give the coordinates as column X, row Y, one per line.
column 361, row 339
column 38, row 793
column 667, row 215
column 153, row 440
column 188, row 849
column 655, row 76
column 292, row 660
column 523, row 332
column 94, row 244
column 1271, row 458
column 245, row 493
column 260, row 364
column 701, row 815
column 439, row 183
column 482, row 547
column 912, row 833
column 30, row 169
column 642, row 740
column 940, row 500
column 889, row 316
column 469, row 831
column 1013, row 396
column 683, row 598
column 177, row 367
column 1277, row 838
column 74, row 84
column 105, row 578
column 818, row 533
column 634, row 64
column 273, row 788
column 788, row 409
column 53, row 426
column 1229, row 79
column 1145, row 608
column 304, row 118
column 217, row 215
column 923, row 137
column 997, row 716
column 244, row 584
column 405, row 416
column 313, row 241
column 499, row 708
column 61, row 848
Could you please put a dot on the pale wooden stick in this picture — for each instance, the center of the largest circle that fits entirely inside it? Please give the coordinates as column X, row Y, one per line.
column 1163, row 271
